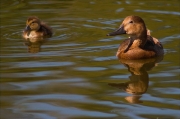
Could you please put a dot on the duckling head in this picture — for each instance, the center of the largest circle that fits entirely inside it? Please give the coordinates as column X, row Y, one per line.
column 33, row 24
column 132, row 25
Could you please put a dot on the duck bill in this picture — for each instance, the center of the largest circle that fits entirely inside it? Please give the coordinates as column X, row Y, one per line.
column 119, row 31
column 27, row 28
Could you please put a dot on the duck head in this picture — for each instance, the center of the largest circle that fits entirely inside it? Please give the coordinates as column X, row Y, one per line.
column 133, row 26
column 33, row 24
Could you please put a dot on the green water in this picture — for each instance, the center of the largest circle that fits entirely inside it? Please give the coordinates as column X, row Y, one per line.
column 75, row 74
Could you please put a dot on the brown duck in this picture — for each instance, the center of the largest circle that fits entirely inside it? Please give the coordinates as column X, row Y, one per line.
column 140, row 44
column 36, row 29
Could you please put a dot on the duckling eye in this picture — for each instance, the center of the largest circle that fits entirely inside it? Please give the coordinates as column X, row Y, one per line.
column 131, row 22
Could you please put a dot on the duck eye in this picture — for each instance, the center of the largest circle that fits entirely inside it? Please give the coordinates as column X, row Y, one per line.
column 131, row 22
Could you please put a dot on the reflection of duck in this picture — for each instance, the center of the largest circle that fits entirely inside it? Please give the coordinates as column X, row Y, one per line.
column 36, row 29
column 139, row 78
column 34, row 46
column 140, row 45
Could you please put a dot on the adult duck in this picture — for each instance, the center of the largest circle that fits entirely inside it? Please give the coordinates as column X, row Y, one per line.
column 140, row 44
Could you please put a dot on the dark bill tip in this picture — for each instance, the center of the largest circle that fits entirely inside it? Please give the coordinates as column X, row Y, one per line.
column 119, row 31
column 113, row 33
column 27, row 28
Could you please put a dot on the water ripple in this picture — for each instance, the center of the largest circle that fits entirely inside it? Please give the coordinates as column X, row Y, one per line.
column 90, row 68
column 40, row 64
column 158, row 12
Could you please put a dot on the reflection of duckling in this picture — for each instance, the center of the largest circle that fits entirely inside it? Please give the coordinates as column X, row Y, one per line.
column 36, row 29
column 134, row 99
column 34, row 47
column 140, row 45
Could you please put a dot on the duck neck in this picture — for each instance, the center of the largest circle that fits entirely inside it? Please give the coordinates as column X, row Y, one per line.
column 140, row 39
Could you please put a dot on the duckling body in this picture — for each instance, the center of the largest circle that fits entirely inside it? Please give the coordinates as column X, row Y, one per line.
column 36, row 29
column 140, row 44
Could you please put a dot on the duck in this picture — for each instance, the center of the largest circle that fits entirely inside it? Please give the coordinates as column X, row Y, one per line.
column 140, row 44
column 35, row 28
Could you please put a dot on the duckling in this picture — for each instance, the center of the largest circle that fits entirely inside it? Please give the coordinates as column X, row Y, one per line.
column 140, row 44
column 36, row 29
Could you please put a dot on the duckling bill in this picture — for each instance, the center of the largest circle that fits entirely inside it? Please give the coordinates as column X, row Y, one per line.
column 140, row 44
column 35, row 28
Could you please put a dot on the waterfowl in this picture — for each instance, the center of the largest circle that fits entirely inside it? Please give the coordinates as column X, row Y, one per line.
column 140, row 44
column 35, row 28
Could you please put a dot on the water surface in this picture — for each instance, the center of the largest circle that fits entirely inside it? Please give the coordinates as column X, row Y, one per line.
column 75, row 74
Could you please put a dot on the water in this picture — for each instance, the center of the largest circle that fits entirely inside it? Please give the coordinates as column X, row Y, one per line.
column 75, row 74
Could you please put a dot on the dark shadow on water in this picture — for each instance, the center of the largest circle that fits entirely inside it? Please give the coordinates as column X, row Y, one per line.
column 139, row 79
